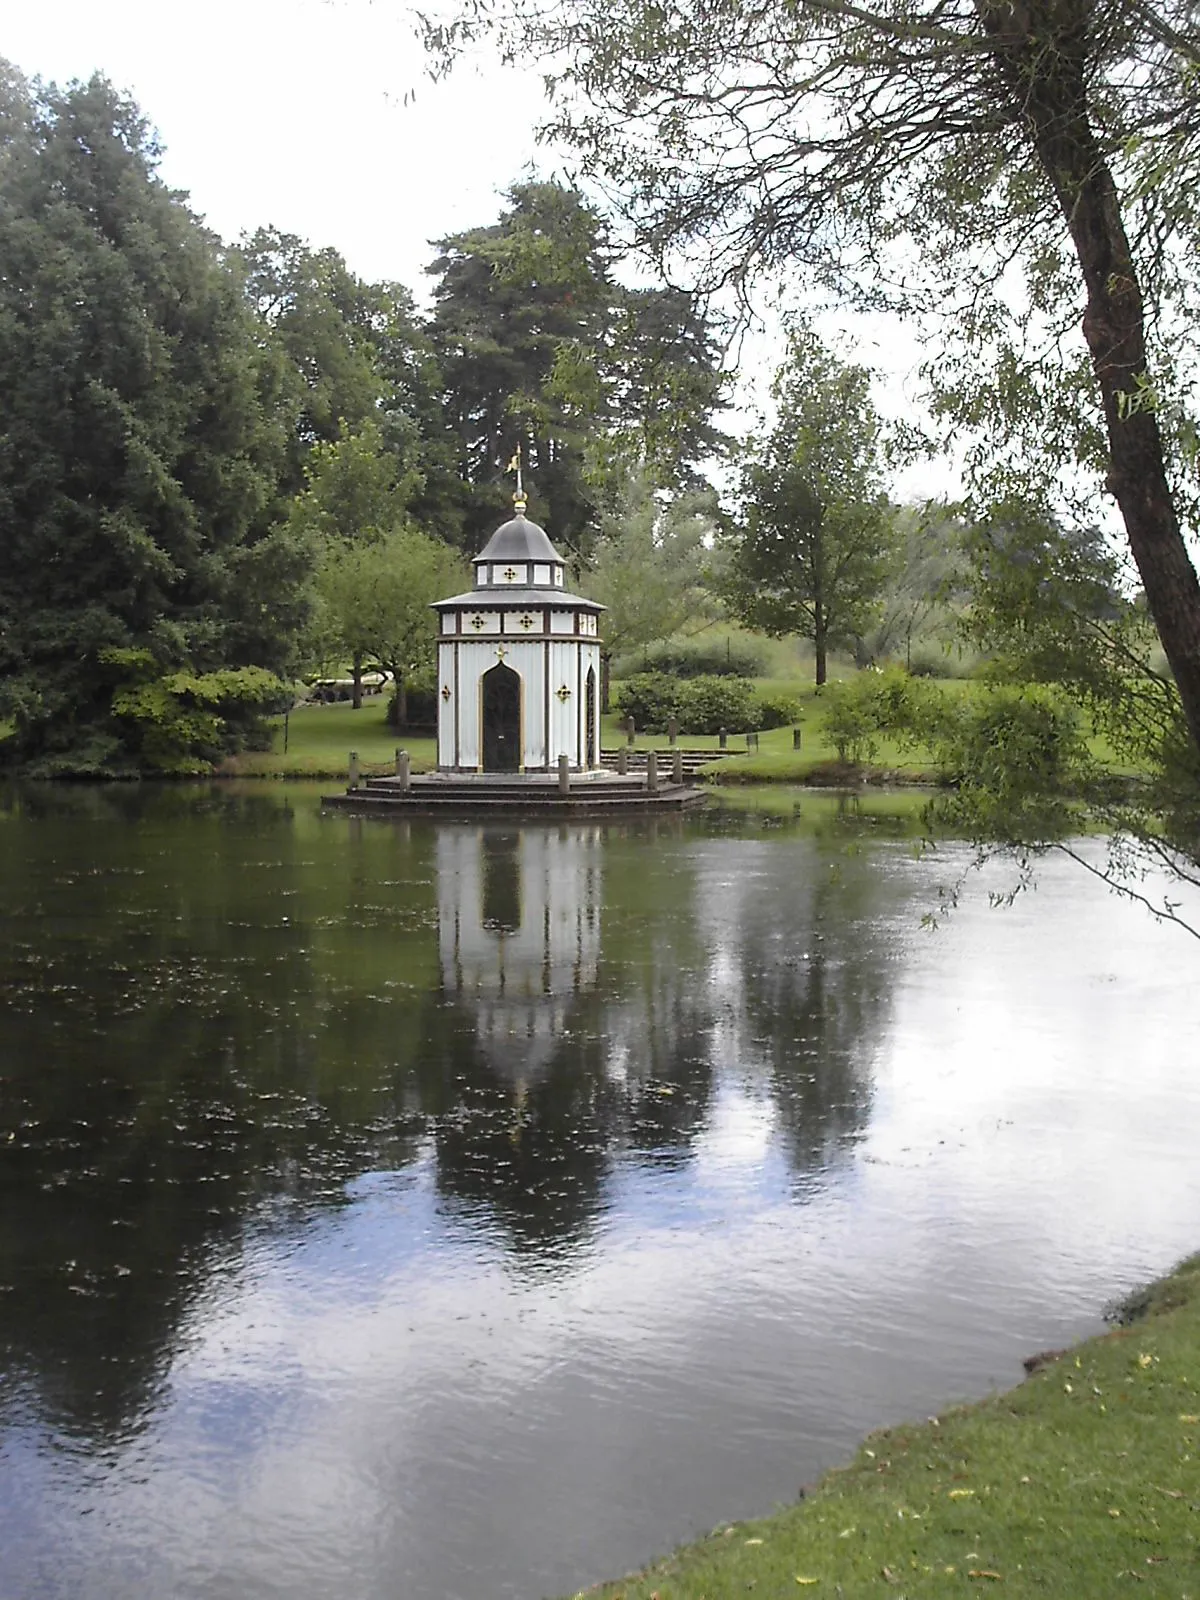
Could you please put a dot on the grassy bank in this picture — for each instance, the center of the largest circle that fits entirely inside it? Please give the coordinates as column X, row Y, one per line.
column 1081, row 1483
column 320, row 738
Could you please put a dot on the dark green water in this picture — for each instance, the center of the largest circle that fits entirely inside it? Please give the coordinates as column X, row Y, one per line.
column 391, row 1210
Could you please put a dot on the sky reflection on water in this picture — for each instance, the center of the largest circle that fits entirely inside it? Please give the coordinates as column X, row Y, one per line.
column 464, row 1213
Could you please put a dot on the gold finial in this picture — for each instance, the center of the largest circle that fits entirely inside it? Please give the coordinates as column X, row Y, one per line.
column 519, row 498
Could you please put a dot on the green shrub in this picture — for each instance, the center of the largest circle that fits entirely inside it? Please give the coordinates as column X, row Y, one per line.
column 710, row 704
column 699, row 705
column 930, row 662
column 650, row 698
column 711, row 658
column 178, row 724
column 774, row 710
column 856, row 711
column 1014, row 754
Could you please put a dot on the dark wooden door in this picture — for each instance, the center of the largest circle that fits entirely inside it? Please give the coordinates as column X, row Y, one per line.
column 501, row 720
column 593, row 755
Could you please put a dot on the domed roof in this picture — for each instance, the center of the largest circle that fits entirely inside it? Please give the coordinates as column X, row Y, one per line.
column 519, row 540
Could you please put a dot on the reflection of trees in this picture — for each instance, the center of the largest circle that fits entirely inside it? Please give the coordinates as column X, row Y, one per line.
column 221, row 1008
column 814, row 966
column 181, row 1044
column 530, row 1155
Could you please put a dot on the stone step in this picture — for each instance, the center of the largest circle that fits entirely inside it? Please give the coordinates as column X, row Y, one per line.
column 610, row 788
column 672, row 797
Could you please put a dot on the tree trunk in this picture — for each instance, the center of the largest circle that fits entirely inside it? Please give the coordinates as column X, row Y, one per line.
column 401, row 701
column 819, row 643
column 356, row 667
column 1048, row 78
column 605, row 680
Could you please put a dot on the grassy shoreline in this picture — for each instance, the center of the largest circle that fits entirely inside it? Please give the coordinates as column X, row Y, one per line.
column 320, row 739
column 1081, row 1483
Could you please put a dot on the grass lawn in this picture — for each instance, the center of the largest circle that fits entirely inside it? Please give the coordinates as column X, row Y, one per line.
column 320, row 739
column 1080, row 1484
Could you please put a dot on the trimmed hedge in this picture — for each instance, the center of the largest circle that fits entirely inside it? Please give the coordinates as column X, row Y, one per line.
column 700, row 705
column 706, row 658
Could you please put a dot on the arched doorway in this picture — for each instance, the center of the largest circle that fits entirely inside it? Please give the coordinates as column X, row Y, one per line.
column 501, row 695
column 593, row 755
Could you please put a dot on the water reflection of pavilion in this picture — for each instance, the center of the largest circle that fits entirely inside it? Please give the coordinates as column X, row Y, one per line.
column 519, row 934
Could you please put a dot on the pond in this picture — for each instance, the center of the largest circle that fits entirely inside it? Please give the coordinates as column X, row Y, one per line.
column 396, row 1210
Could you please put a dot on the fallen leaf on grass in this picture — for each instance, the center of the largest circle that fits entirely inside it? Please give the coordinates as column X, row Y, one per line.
column 1186, row 1417
column 961, row 1494
column 806, row 1581
column 985, row 1572
column 753, row 1541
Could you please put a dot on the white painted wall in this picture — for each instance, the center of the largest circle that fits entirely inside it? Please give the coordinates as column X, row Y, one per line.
column 569, row 662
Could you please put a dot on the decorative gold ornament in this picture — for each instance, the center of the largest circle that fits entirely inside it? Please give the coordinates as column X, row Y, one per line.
column 564, row 694
column 445, row 691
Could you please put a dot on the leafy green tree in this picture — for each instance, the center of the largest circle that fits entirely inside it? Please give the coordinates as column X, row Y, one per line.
column 1026, row 169
column 139, row 447
column 540, row 347
column 324, row 322
column 353, row 495
column 1050, row 602
column 927, row 591
column 509, row 299
column 649, row 570
column 353, row 488
column 376, row 597
column 813, row 553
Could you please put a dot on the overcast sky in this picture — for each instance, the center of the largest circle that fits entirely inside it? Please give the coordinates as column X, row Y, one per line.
column 315, row 116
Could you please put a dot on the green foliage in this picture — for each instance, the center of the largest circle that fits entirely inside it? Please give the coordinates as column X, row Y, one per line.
column 321, row 320
column 648, row 567
column 178, row 724
column 928, row 661
column 925, row 593
column 710, row 704
column 375, row 597
column 814, row 551
column 718, row 658
column 139, row 449
column 516, row 325
column 856, row 712
column 540, row 347
column 1047, row 603
column 651, row 699
column 698, row 705
column 985, row 168
column 775, row 710
column 1014, row 756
